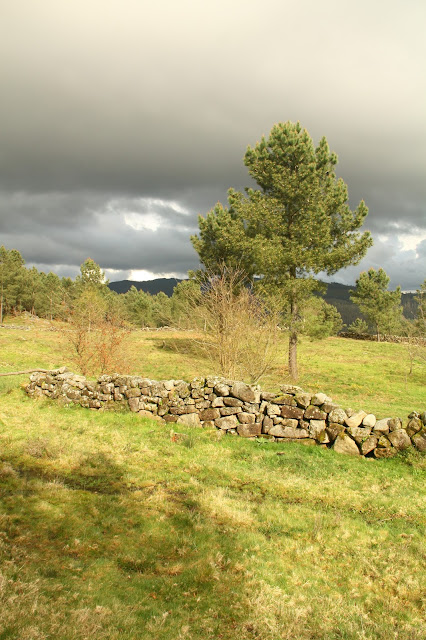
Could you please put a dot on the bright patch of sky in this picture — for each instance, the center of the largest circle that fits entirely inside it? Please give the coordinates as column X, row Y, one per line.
column 140, row 275
column 406, row 241
column 410, row 241
column 147, row 214
column 141, row 221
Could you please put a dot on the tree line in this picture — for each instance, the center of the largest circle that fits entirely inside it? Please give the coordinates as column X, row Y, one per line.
column 46, row 295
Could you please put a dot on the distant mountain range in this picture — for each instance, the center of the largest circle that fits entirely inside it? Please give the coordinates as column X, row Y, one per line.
column 166, row 285
column 337, row 294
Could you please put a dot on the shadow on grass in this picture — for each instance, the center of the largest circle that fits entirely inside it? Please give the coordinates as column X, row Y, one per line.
column 96, row 472
column 155, row 548
column 185, row 346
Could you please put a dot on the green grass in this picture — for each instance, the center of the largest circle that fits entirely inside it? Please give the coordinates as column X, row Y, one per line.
column 110, row 529
column 368, row 375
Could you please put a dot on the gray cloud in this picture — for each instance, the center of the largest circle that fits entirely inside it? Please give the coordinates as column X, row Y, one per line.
column 405, row 267
column 118, row 233
column 109, row 107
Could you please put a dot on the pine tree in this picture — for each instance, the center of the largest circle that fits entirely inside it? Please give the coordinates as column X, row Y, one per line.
column 380, row 306
column 91, row 276
column 51, row 296
column 12, row 280
column 138, row 306
column 295, row 225
column 420, row 321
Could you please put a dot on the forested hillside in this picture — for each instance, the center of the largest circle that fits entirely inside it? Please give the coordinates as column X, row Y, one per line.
column 336, row 294
column 164, row 285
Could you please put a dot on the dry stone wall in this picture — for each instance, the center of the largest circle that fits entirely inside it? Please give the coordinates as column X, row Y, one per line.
column 236, row 408
column 417, row 340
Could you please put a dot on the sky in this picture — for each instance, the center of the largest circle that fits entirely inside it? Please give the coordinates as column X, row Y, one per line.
column 123, row 120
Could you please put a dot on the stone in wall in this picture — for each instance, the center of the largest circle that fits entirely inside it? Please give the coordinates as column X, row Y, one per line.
column 345, row 444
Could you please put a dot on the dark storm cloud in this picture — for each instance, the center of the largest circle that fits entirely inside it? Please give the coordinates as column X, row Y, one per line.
column 119, row 233
column 125, row 112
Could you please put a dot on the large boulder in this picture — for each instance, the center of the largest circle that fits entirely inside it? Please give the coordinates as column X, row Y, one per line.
column 338, row 415
column 314, row 413
column 419, row 441
column 384, row 442
column 246, row 418
column 382, row 425
column 414, row 426
column 359, row 434
column 291, row 388
column 303, row 400
column 400, row 439
column 209, row 414
column 329, row 406
column 369, row 444
column 318, row 432
column 273, row 410
column 182, row 389
column 267, row 424
column 221, row 389
column 320, row 398
column 232, row 402
column 394, row 424
column 218, row 402
column 244, row 392
column 133, row 393
column 229, row 411
column 134, row 404
column 369, row 420
column 356, row 419
column 287, row 399
column 249, row 430
column 227, row 422
column 335, row 429
column 190, row 420
column 291, row 412
column 345, row 444
column 384, row 453
column 282, row 431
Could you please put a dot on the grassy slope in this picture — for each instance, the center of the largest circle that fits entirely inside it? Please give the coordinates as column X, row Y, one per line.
column 110, row 529
column 368, row 375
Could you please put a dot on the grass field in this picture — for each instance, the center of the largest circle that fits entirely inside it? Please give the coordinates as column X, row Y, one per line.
column 111, row 529
column 369, row 375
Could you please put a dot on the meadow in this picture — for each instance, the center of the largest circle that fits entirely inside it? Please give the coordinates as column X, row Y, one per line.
column 112, row 527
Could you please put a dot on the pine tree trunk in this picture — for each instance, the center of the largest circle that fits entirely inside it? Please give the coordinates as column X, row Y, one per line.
column 292, row 344
column 292, row 355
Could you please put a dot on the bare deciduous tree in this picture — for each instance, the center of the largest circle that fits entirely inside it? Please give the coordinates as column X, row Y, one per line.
column 96, row 339
column 236, row 329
